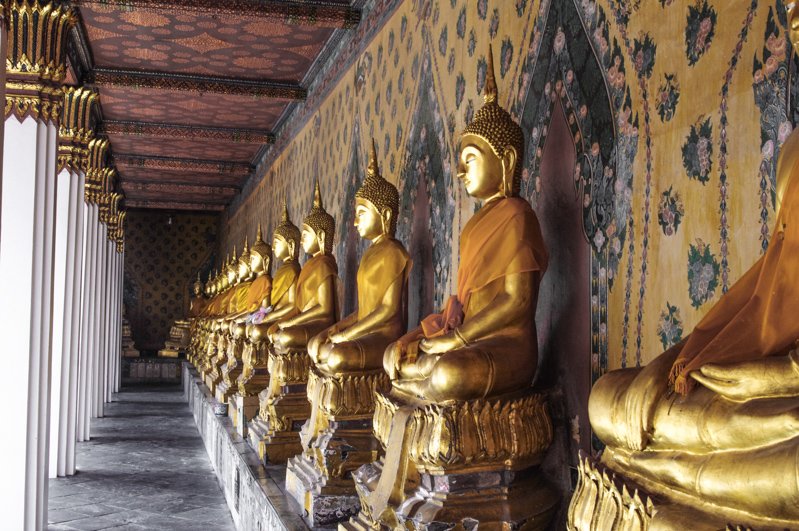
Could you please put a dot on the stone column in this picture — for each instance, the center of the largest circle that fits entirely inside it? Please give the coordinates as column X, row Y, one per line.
column 96, row 176
column 74, row 134
column 35, row 70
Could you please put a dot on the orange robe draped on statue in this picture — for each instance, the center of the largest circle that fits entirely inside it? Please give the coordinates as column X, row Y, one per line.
column 757, row 316
column 313, row 274
column 257, row 292
column 502, row 238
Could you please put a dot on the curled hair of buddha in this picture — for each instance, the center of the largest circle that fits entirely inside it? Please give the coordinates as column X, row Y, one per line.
column 378, row 191
column 288, row 230
column 245, row 251
column 319, row 220
column 495, row 125
column 261, row 248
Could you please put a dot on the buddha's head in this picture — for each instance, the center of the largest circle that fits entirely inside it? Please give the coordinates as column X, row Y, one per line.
column 224, row 282
column 260, row 254
column 208, row 287
column 793, row 24
column 286, row 238
column 243, row 266
column 491, row 148
column 197, row 287
column 318, row 228
column 376, row 203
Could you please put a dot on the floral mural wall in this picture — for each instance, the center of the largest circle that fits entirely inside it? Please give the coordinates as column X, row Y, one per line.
column 677, row 110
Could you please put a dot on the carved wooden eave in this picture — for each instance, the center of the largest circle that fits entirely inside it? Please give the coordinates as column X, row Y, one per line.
column 305, row 12
column 173, row 163
column 161, row 130
column 140, row 79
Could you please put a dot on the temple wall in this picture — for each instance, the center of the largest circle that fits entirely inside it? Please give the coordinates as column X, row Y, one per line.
column 161, row 264
column 676, row 128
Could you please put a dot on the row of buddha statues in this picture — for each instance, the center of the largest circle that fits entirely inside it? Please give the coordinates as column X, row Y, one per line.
column 368, row 416
column 441, row 427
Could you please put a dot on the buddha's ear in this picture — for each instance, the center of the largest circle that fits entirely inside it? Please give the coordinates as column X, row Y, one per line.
column 320, row 237
column 292, row 245
column 509, row 159
column 386, row 216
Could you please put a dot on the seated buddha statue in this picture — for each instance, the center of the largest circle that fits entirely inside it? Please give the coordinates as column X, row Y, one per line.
column 446, row 424
column 357, row 342
column 280, row 303
column 316, row 304
column 348, row 359
column 234, row 321
column 258, row 296
column 285, row 406
column 198, row 301
column 230, row 280
column 484, row 342
column 713, row 422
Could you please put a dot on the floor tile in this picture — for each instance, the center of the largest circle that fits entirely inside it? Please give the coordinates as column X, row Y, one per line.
column 145, row 467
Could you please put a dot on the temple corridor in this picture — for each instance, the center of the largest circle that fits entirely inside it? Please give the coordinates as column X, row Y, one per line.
column 145, row 467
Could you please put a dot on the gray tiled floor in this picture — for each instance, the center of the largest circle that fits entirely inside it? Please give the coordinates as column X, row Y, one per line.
column 145, row 468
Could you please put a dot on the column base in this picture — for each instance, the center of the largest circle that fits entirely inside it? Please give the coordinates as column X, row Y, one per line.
column 242, row 409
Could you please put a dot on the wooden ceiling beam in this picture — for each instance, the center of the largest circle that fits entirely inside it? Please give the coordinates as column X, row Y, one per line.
column 136, row 188
column 242, row 169
column 244, row 136
column 149, row 79
column 318, row 13
column 173, row 205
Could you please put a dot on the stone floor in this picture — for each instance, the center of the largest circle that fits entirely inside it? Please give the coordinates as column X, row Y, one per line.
column 144, row 468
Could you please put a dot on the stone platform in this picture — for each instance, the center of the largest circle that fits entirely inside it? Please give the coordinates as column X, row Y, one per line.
column 254, row 493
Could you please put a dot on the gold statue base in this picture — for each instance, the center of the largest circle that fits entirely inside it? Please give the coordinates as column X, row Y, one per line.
column 284, row 407
column 254, row 377
column 241, row 410
column 231, row 370
column 457, row 465
column 336, row 441
column 605, row 500
column 168, row 353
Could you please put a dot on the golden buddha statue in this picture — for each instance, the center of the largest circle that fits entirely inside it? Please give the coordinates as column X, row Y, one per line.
column 230, row 278
column 316, row 308
column 198, row 301
column 234, row 320
column 286, row 248
column 710, row 427
column 461, row 411
column 348, row 359
column 250, row 382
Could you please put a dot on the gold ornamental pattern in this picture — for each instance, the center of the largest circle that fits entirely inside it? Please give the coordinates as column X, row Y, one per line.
column 76, row 129
column 602, row 503
column 486, row 433
column 346, row 395
column 36, row 58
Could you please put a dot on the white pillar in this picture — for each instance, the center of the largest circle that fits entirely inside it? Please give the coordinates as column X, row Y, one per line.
column 77, row 326
column 87, row 323
column 62, row 315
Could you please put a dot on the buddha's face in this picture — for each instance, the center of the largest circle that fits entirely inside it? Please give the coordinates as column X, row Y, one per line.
column 281, row 248
column 793, row 24
column 244, row 268
column 368, row 221
column 232, row 276
column 256, row 263
column 481, row 170
column 310, row 240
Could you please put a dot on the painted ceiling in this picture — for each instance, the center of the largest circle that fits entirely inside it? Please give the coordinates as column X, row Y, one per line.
column 191, row 90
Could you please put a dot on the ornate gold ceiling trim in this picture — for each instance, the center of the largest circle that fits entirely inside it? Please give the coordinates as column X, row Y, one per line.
column 174, row 205
column 302, row 13
column 171, row 163
column 243, row 136
column 139, row 79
